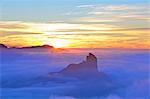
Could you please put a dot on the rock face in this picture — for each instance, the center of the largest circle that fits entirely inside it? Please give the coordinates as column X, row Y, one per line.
column 90, row 64
column 84, row 69
column 91, row 61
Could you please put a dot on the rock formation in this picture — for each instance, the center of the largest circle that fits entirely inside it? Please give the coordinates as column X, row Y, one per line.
column 89, row 66
column 87, row 69
column 85, row 77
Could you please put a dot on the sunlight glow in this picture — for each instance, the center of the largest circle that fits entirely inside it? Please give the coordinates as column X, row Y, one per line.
column 58, row 43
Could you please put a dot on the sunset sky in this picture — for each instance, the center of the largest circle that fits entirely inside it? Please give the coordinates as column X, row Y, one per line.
column 75, row 23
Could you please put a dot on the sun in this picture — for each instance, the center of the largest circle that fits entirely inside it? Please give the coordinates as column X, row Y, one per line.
column 58, row 43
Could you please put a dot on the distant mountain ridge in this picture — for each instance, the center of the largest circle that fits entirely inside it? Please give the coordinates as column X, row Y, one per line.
column 28, row 47
column 42, row 46
column 3, row 46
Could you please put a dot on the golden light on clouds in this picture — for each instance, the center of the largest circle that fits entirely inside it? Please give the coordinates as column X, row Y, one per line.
column 66, row 35
column 85, row 26
column 57, row 43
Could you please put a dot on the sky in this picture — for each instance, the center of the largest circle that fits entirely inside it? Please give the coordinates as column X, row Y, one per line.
column 75, row 23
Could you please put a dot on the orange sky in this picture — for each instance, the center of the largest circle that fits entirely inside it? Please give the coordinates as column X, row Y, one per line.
column 63, row 35
column 76, row 24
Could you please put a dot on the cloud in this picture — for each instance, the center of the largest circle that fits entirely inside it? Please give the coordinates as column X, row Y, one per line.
column 113, row 13
column 8, row 33
column 66, row 29
column 78, row 34
column 111, row 7
column 12, row 25
column 85, row 6
column 44, row 27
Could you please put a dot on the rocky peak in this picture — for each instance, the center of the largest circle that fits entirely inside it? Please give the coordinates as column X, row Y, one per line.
column 88, row 66
column 91, row 59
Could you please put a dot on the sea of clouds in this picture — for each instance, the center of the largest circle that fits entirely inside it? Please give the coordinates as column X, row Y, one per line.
column 19, row 67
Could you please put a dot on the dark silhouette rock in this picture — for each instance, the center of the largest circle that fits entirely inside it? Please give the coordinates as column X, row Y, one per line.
column 85, row 68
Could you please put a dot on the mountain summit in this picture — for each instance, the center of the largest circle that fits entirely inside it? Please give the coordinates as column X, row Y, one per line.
column 91, row 60
column 87, row 67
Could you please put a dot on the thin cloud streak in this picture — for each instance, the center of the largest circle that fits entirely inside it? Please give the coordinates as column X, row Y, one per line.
column 115, row 14
column 63, row 27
